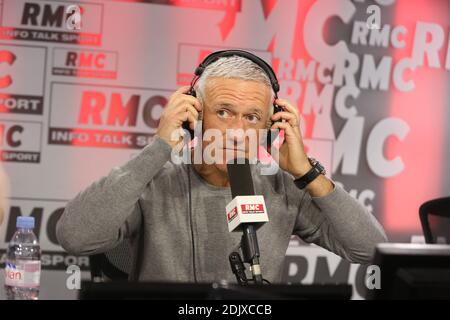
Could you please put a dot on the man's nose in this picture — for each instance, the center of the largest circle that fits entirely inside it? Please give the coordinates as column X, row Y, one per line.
column 236, row 132
column 238, row 123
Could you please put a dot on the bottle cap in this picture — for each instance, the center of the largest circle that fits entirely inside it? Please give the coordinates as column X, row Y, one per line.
column 25, row 222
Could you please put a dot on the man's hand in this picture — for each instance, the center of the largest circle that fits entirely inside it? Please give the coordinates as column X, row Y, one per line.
column 180, row 108
column 292, row 156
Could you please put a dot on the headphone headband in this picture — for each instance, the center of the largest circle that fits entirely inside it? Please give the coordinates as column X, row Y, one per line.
column 213, row 57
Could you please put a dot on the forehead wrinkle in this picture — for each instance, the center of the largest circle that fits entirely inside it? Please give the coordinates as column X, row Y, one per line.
column 229, row 95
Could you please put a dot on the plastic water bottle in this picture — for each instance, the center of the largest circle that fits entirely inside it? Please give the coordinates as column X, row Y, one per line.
column 23, row 263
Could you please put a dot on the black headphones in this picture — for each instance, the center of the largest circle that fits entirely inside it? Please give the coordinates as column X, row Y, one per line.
column 213, row 57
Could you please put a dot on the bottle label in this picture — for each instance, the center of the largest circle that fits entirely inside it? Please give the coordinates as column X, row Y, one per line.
column 23, row 273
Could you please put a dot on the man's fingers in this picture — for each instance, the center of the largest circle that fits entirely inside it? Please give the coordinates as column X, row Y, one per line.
column 187, row 107
column 192, row 120
column 286, row 105
column 183, row 99
column 286, row 127
column 289, row 117
column 181, row 107
column 184, row 112
column 282, row 126
column 193, row 101
column 180, row 92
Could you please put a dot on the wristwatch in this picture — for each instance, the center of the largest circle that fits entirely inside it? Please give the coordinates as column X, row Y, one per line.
column 316, row 170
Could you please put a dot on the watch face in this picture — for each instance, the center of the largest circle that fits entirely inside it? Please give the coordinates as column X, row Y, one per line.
column 312, row 161
column 321, row 168
column 317, row 165
column 312, row 174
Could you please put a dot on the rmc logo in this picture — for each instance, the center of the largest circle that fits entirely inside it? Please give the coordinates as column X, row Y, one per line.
column 85, row 63
column 22, row 79
column 252, row 208
column 104, row 116
column 20, row 141
column 51, row 21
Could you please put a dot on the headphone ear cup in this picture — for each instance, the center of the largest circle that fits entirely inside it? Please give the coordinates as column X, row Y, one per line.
column 185, row 125
column 272, row 135
column 192, row 92
column 276, row 109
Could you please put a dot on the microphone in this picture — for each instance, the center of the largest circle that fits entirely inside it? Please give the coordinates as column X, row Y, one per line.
column 246, row 212
column 246, row 207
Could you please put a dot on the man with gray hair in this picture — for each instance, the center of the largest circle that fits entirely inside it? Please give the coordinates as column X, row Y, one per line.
column 174, row 214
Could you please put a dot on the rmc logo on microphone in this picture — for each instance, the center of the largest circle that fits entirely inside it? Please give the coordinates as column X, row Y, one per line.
column 246, row 209
column 252, row 208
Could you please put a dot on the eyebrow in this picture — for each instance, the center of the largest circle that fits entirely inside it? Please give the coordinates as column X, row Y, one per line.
column 256, row 110
column 231, row 106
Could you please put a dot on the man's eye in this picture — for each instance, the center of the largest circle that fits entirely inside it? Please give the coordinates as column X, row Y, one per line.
column 223, row 114
column 252, row 118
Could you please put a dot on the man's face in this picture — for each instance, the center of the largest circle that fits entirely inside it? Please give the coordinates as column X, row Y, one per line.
column 235, row 104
